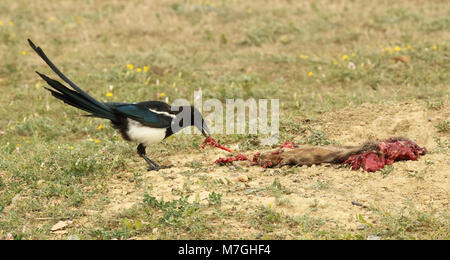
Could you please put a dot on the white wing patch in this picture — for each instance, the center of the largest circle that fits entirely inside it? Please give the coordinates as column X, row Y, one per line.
column 144, row 134
column 162, row 113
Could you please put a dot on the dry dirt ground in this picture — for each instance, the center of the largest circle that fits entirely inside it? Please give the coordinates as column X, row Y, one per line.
column 322, row 191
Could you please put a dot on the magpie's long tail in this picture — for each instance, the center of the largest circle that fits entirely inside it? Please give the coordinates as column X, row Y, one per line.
column 76, row 97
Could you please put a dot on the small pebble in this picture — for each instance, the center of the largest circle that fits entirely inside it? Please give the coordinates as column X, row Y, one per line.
column 73, row 237
column 361, row 227
column 373, row 237
column 243, row 178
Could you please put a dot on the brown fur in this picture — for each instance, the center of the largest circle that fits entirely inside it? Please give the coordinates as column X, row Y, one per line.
column 309, row 155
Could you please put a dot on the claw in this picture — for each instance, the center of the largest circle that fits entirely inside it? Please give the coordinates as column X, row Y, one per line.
column 159, row 167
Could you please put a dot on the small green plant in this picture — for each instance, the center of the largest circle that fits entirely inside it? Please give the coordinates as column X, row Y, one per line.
column 173, row 211
column 386, row 170
column 276, row 186
column 443, row 127
column 321, row 185
column 194, row 164
column 267, row 218
column 277, row 189
column 130, row 224
column 442, row 144
column 435, row 104
column 215, row 198
column 317, row 137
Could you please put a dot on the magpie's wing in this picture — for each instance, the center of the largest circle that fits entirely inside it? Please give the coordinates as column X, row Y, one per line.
column 143, row 115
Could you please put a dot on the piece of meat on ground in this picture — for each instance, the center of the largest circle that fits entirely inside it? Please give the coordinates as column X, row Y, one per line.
column 371, row 156
column 389, row 151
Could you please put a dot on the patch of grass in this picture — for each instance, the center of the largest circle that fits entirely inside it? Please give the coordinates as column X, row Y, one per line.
column 307, row 224
column 317, row 137
column 276, row 225
column 267, row 219
column 276, row 188
column 435, row 104
column 321, row 185
column 215, row 198
column 443, row 127
column 173, row 211
column 411, row 223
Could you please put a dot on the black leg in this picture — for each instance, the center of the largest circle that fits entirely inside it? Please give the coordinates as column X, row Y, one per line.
column 151, row 164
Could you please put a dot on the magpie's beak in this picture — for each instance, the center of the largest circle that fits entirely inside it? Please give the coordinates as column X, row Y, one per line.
column 199, row 122
column 205, row 130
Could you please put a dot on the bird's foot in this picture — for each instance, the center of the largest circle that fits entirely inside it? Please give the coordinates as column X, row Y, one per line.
column 158, row 167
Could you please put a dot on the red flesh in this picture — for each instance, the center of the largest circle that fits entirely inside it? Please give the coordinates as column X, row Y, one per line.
column 288, row 145
column 213, row 143
column 242, row 157
column 390, row 151
column 239, row 157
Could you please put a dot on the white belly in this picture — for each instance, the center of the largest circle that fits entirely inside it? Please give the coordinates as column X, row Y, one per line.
column 143, row 134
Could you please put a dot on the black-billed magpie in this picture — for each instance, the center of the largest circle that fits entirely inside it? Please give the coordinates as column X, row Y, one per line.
column 145, row 123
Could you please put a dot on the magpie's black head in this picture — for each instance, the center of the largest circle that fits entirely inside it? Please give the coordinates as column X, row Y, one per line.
column 189, row 116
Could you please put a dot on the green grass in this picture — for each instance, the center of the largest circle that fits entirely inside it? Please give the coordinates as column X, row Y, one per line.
column 443, row 127
column 315, row 56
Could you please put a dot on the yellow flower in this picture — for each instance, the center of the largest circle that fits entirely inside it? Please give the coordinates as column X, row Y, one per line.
column 396, row 48
column 409, row 47
column 162, row 94
column 344, row 57
column 94, row 140
column 304, row 57
column 109, row 94
column 11, row 23
column 1, row 23
column 100, row 127
column 146, row 68
column 24, row 52
column 434, row 48
column 71, row 147
column 130, row 66
column 310, row 74
column 138, row 69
